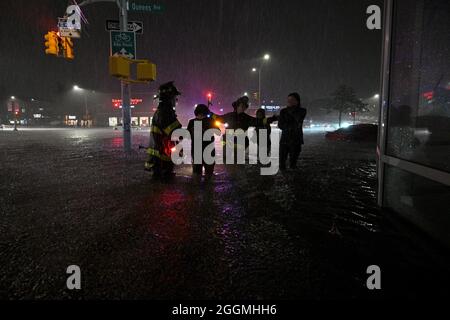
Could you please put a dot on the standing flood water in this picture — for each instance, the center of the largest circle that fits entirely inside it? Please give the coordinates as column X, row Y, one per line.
column 305, row 234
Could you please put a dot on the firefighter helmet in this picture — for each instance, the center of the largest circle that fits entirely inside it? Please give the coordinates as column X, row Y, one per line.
column 201, row 109
column 168, row 90
column 244, row 100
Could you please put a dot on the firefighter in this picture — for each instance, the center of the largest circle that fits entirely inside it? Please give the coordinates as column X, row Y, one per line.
column 235, row 120
column 164, row 123
column 238, row 119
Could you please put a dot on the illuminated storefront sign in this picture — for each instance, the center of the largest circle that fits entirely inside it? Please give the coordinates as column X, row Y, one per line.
column 117, row 103
column 271, row 108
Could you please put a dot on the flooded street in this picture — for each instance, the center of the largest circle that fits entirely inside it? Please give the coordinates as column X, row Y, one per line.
column 71, row 197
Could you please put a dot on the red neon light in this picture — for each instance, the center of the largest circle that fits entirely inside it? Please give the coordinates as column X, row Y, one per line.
column 117, row 103
column 429, row 95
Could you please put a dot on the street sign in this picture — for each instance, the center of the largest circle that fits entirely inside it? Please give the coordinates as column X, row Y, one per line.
column 148, row 7
column 65, row 30
column 123, row 44
column 69, row 33
column 133, row 26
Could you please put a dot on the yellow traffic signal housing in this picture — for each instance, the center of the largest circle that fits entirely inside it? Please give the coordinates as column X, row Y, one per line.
column 119, row 67
column 51, row 43
column 146, row 71
column 68, row 48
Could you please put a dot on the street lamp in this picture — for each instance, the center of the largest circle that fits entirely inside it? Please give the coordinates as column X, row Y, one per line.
column 13, row 98
column 377, row 96
column 265, row 58
column 77, row 88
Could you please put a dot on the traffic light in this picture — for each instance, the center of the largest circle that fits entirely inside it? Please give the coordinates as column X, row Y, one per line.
column 119, row 67
column 146, row 71
column 209, row 96
column 52, row 43
column 68, row 48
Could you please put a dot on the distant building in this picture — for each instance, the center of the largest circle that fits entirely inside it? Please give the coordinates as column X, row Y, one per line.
column 141, row 113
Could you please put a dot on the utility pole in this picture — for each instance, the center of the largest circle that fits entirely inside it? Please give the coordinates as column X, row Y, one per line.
column 263, row 59
column 125, row 87
column 259, row 87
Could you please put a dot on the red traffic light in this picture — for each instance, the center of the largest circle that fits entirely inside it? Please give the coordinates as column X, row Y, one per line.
column 209, row 96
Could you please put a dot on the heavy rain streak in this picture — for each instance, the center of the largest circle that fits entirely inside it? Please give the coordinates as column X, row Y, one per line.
column 85, row 184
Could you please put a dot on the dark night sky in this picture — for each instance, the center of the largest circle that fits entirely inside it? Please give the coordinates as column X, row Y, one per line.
column 203, row 45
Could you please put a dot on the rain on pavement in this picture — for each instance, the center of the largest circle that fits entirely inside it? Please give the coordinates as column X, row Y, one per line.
column 71, row 196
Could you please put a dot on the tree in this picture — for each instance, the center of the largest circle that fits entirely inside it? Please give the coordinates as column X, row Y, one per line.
column 344, row 100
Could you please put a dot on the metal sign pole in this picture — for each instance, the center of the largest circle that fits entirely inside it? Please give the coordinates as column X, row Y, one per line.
column 125, row 87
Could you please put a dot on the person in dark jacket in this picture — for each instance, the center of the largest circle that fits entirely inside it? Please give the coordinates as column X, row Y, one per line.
column 291, row 124
column 164, row 123
column 202, row 115
column 238, row 119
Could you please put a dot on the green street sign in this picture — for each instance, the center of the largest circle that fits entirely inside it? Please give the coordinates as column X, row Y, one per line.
column 146, row 7
column 123, row 44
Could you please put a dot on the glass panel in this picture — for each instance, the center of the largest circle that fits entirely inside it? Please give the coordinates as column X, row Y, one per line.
column 419, row 112
column 422, row 201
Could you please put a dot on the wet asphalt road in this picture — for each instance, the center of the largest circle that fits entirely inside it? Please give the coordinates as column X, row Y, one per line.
column 72, row 197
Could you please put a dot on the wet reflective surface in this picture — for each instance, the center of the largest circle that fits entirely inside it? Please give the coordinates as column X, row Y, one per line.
column 73, row 197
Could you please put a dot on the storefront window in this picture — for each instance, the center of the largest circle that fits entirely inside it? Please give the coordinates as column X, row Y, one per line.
column 419, row 111
column 143, row 121
column 420, row 200
column 113, row 122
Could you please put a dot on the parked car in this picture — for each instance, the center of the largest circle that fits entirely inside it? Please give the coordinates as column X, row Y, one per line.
column 359, row 132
